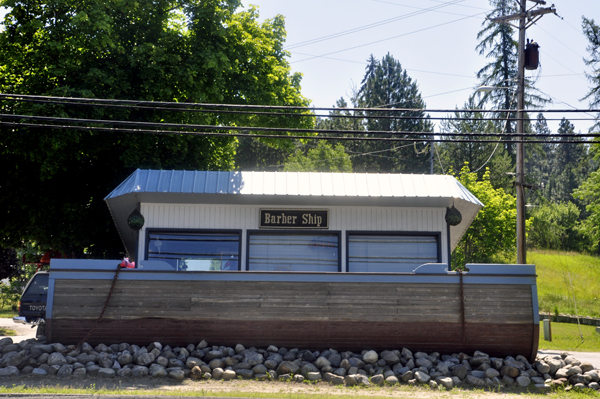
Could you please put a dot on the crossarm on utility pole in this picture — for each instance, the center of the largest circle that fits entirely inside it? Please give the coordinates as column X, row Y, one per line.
column 525, row 14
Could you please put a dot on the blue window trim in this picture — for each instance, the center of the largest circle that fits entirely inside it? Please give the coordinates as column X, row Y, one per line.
column 237, row 232
column 436, row 234
column 335, row 233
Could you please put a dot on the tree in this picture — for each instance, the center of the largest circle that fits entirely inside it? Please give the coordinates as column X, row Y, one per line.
column 498, row 44
column 592, row 31
column 387, row 85
column 454, row 154
column 557, row 226
column 492, row 235
column 324, row 158
column 589, row 193
column 54, row 180
column 571, row 164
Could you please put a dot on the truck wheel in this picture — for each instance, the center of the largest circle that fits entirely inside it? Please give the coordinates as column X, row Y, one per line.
column 41, row 330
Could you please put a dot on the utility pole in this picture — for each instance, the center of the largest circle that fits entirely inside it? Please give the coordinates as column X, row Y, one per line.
column 526, row 19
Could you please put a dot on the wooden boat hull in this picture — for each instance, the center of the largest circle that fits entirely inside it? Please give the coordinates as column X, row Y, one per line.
column 494, row 313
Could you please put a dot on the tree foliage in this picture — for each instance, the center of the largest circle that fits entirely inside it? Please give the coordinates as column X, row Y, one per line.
column 497, row 42
column 387, row 85
column 54, row 180
column 592, row 31
column 492, row 235
column 324, row 158
column 454, row 154
column 9, row 263
column 556, row 226
column 589, row 193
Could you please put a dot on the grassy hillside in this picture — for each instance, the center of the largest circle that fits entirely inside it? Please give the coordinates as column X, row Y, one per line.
column 554, row 291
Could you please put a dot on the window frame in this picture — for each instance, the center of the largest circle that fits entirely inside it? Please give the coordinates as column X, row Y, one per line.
column 436, row 234
column 288, row 232
column 237, row 232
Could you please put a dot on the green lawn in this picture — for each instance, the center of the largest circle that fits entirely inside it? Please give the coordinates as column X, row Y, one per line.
column 565, row 337
column 7, row 313
column 554, row 290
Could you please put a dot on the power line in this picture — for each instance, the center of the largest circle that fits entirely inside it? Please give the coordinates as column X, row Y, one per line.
column 159, row 128
column 173, row 106
column 383, row 40
column 367, row 115
column 370, row 26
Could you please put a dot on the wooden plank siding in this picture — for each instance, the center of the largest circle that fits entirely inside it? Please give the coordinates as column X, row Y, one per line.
column 316, row 315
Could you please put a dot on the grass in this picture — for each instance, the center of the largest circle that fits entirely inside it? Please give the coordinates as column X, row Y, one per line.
column 339, row 392
column 565, row 337
column 6, row 312
column 7, row 332
column 554, row 289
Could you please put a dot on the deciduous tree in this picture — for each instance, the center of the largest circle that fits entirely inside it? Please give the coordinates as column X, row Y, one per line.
column 198, row 51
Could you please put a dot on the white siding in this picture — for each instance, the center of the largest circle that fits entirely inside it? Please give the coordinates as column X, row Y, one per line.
column 343, row 219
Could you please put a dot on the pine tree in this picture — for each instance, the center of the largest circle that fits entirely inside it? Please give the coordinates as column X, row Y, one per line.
column 497, row 42
column 387, row 85
column 478, row 155
column 592, row 32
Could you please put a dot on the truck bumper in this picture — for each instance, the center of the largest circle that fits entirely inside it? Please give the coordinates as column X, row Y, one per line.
column 23, row 320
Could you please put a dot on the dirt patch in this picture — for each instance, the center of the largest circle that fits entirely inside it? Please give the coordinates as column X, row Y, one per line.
column 269, row 388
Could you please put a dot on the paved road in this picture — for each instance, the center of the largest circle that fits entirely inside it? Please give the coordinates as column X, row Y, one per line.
column 23, row 331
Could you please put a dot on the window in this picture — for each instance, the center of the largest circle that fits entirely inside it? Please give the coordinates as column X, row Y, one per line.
column 195, row 251
column 390, row 253
column 283, row 251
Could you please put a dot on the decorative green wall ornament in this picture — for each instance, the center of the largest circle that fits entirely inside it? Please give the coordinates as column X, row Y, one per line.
column 453, row 216
column 135, row 220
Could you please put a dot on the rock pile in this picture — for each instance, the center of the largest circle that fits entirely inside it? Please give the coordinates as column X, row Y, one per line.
column 369, row 367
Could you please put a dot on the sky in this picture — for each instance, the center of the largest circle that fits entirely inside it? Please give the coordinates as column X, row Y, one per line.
column 434, row 40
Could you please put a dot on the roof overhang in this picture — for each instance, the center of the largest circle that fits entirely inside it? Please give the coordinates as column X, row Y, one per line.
column 289, row 189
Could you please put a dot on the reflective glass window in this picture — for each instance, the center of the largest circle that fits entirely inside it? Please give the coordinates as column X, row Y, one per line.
column 189, row 251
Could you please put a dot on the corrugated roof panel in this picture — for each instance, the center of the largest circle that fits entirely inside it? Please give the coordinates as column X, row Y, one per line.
column 384, row 185
column 187, row 182
column 327, row 184
column 408, row 185
column 373, row 185
column 396, row 185
column 222, row 183
column 337, row 184
column 210, row 185
column 420, row 186
column 199, row 183
column 362, row 188
column 303, row 183
column 292, row 183
column 164, row 181
column 258, row 182
column 176, row 185
column 246, row 182
column 435, row 185
column 314, row 180
column 350, row 184
column 268, row 183
column 280, row 183
column 235, row 183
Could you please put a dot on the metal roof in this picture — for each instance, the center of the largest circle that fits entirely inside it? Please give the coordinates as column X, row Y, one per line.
column 289, row 188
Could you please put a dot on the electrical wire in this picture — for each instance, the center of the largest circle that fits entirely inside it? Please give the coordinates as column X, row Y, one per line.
column 173, row 106
column 386, row 39
column 370, row 26
column 212, row 128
